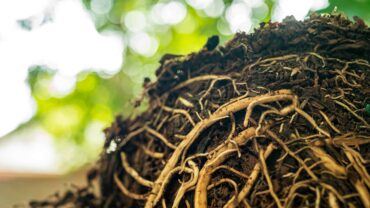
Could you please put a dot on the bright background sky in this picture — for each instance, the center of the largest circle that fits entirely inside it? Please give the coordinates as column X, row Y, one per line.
column 62, row 35
column 69, row 43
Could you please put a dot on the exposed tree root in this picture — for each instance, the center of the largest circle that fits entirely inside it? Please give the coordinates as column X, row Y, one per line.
column 272, row 119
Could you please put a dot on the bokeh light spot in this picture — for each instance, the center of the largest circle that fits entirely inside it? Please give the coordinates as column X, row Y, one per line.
column 238, row 16
column 215, row 9
column 298, row 9
column 169, row 13
column 135, row 21
column 173, row 13
column 199, row 4
column 260, row 12
column 62, row 85
column 143, row 44
column 101, row 6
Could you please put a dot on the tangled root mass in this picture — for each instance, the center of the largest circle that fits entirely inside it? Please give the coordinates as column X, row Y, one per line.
column 276, row 118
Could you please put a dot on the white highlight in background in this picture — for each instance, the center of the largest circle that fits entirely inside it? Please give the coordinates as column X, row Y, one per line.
column 29, row 151
column 62, row 37
column 298, row 8
column 143, row 44
column 135, row 21
column 199, row 4
column 238, row 15
column 215, row 9
column 168, row 13
column 101, row 6
column 62, row 85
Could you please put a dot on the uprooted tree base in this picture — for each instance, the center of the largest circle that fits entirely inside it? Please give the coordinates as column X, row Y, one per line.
column 272, row 119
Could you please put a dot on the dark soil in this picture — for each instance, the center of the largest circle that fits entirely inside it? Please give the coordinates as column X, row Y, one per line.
column 314, row 155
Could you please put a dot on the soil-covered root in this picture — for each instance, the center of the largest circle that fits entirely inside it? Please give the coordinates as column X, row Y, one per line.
column 275, row 118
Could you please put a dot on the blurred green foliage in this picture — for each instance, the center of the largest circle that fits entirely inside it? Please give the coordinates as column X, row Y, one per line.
column 92, row 100
column 98, row 98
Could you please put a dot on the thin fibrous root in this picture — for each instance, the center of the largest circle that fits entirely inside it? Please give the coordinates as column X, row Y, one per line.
column 185, row 102
column 147, row 151
column 133, row 173
column 312, row 121
column 272, row 98
column 199, row 78
column 356, row 161
column 187, row 185
column 200, row 198
column 333, row 200
column 284, row 111
column 293, row 189
column 363, row 193
column 318, row 197
column 213, row 82
column 331, row 189
column 253, row 176
column 226, row 180
column 160, row 137
column 348, row 139
column 167, row 180
column 286, row 149
column 149, row 130
column 182, row 147
column 329, row 122
column 130, row 136
column 352, row 112
column 238, row 173
column 179, row 111
column 126, row 192
column 267, row 177
column 328, row 162
column 279, row 58
column 224, row 112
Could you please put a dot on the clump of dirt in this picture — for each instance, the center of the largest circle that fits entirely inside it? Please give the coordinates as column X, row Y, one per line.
column 276, row 118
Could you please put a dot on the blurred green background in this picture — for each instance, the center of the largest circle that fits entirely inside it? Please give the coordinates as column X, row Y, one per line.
column 147, row 30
